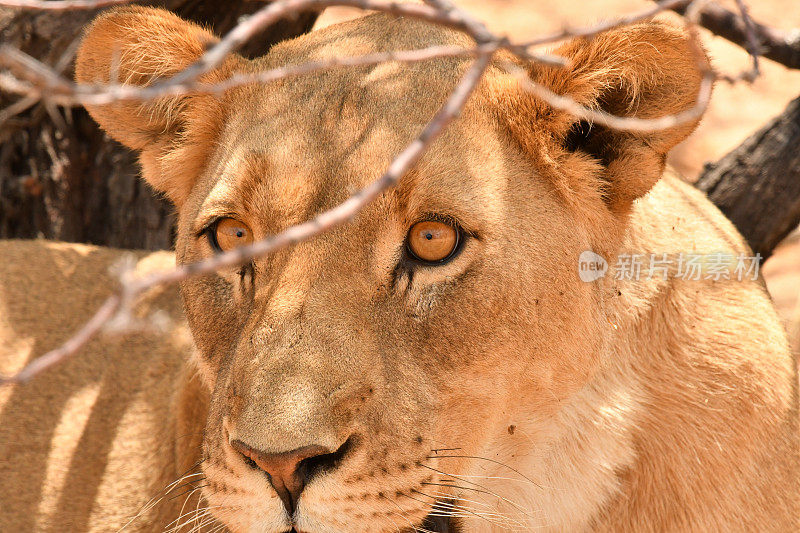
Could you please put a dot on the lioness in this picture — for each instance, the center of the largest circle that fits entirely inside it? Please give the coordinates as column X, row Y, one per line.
column 440, row 363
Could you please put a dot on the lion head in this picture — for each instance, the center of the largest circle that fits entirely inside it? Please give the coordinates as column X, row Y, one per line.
column 386, row 373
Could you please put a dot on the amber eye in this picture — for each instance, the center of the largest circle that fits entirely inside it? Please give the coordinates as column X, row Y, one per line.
column 431, row 241
column 230, row 233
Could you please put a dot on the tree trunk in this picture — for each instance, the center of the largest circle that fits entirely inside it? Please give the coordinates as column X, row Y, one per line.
column 757, row 185
column 71, row 182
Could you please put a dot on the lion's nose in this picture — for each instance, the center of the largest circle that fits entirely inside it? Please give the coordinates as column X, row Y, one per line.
column 289, row 471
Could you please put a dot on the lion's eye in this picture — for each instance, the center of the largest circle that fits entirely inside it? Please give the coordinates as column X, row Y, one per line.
column 229, row 233
column 431, row 241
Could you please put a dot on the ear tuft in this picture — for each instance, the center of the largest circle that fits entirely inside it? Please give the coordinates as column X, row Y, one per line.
column 647, row 70
column 137, row 46
column 147, row 43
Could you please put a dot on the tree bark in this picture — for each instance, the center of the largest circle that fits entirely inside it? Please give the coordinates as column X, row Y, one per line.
column 60, row 176
column 757, row 185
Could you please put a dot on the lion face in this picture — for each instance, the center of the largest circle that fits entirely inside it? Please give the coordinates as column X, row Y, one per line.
column 349, row 341
column 370, row 378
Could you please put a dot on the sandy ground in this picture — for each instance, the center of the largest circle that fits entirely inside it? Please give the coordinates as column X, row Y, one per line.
column 734, row 114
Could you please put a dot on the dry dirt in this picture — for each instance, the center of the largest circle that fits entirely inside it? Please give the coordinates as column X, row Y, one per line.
column 734, row 114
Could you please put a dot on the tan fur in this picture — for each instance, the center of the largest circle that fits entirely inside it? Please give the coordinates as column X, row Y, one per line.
column 85, row 446
column 498, row 382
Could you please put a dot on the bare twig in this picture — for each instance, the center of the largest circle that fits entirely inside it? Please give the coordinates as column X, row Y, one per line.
column 326, row 220
column 52, row 86
column 36, row 81
column 280, row 8
column 603, row 118
column 589, row 31
column 61, row 5
column 31, row 70
column 752, row 44
column 71, row 346
column 75, row 94
column 599, row 116
column 780, row 46
column 16, row 108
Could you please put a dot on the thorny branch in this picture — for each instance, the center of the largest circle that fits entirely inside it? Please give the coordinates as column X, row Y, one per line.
column 35, row 81
column 780, row 46
column 61, row 5
column 33, row 77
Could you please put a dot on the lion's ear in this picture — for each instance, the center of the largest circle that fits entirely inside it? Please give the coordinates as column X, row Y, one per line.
column 647, row 71
column 137, row 46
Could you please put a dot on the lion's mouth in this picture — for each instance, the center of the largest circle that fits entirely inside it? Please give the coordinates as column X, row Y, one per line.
column 432, row 524
column 440, row 524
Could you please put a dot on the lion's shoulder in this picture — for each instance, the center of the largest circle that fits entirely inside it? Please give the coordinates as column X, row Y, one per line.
column 72, row 435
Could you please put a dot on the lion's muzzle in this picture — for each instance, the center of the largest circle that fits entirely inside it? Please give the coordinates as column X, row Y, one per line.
column 289, row 471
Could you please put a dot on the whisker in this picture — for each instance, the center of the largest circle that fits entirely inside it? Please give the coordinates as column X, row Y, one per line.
column 431, row 513
column 403, row 515
column 189, row 491
column 491, row 517
column 456, row 487
column 521, row 521
column 190, row 516
column 518, row 507
column 488, row 460
column 155, row 500
column 185, row 481
column 199, row 501
column 195, row 515
column 457, row 506
column 439, row 495
column 502, row 478
column 181, row 514
column 208, row 520
column 495, row 519
column 437, row 450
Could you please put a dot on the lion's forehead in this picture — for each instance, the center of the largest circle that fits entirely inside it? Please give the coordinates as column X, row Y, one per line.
column 289, row 166
column 378, row 32
column 293, row 148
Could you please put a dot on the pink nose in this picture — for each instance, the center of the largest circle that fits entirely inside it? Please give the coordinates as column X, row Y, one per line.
column 287, row 471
